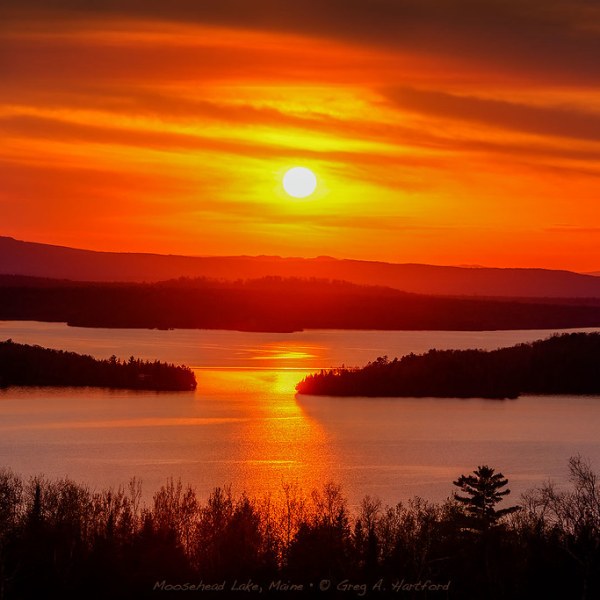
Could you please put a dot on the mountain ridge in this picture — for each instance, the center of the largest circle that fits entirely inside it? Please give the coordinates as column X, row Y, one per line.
column 62, row 262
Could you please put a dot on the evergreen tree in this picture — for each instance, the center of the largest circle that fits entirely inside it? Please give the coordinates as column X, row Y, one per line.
column 483, row 493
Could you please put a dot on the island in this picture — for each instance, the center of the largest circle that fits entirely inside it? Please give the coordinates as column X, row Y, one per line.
column 562, row 364
column 25, row 365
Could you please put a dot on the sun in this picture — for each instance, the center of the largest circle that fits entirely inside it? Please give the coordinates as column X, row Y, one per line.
column 299, row 182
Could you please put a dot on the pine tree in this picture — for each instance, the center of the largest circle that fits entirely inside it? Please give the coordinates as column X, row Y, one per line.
column 483, row 493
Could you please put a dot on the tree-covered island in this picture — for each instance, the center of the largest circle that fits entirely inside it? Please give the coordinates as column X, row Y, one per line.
column 22, row 365
column 561, row 364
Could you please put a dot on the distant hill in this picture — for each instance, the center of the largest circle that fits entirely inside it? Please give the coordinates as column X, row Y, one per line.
column 277, row 304
column 43, row 260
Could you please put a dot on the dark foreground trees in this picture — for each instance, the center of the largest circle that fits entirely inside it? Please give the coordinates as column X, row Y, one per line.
column 561, row 364
column 21, row 364
column 62, row 539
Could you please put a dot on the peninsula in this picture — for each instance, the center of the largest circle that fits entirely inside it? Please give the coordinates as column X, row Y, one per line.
column 561, row 364
column 24, row 365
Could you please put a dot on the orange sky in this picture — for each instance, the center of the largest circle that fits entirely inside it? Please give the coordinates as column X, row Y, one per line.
column 441, row 132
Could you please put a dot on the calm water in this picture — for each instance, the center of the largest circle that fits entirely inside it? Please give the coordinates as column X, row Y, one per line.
column 244, row 426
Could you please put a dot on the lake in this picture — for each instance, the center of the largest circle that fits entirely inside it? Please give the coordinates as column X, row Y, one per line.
column 245, row 427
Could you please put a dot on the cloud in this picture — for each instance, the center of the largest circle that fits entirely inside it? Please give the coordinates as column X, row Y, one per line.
column 550, row 40
column 561, row 121
column 47, row 128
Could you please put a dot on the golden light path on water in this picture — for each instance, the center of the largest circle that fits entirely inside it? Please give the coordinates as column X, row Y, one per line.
column 278, row 442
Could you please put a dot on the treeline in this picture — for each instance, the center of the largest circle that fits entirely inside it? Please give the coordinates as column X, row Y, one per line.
column 562, row 364
column 21, row 364
column 275, row 304
column 62, row 537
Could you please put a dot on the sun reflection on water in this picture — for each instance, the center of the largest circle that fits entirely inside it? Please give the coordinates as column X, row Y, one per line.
column 277, row 442
column 286, row 355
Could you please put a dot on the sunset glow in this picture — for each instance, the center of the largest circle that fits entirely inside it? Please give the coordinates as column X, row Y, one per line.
column 462, row 137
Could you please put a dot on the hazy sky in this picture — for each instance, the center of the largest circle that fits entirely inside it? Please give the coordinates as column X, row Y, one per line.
column 441, row 131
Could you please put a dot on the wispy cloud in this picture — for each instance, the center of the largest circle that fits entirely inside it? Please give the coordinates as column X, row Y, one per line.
column 561, row 121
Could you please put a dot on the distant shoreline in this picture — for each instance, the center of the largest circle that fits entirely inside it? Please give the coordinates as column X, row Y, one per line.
column 279, row 306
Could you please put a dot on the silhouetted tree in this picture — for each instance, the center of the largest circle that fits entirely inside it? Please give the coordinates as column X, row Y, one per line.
column 482, row 490
column 366, row 540
column 322, row 544
column 573, row 518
